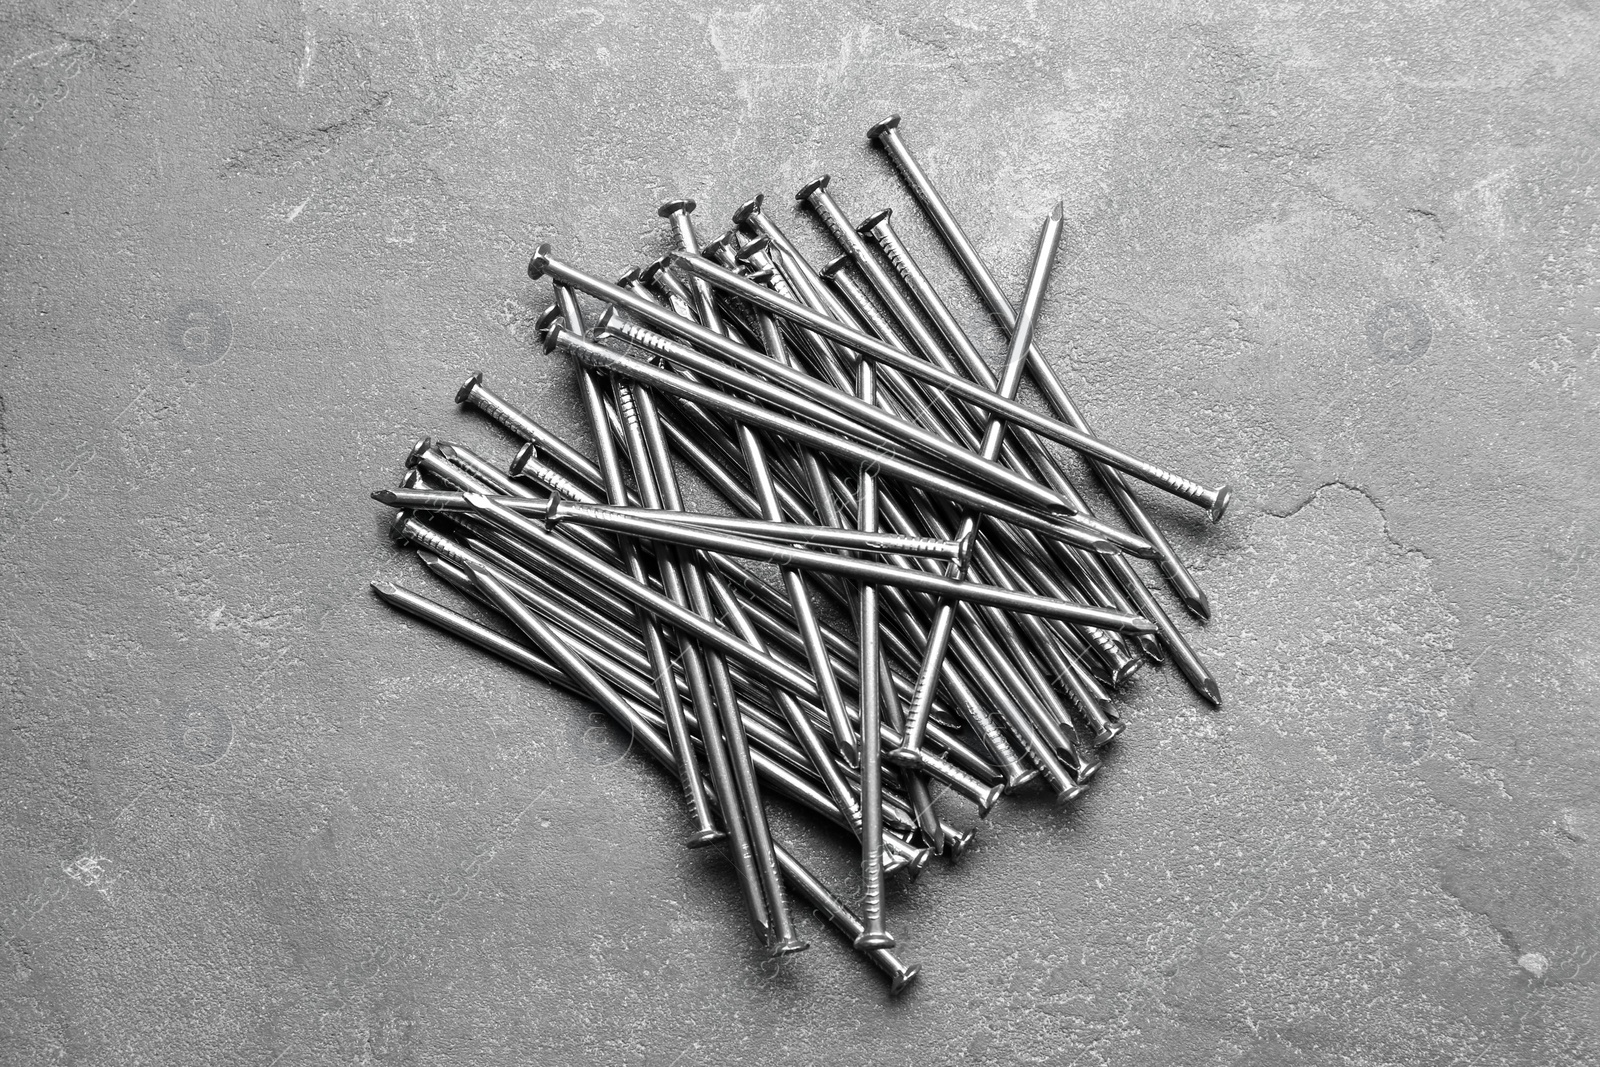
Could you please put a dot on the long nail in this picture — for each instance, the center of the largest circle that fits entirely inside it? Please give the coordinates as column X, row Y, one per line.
column 810, row 887
column 1215, row 501
column 677, row 212
column 795, row 391
column 880, row 227
column 945, row 618
column 649, row 625
column 886, row 135
column 823, row 441
column 480, row 396
column 782, row 532
column 637, row 524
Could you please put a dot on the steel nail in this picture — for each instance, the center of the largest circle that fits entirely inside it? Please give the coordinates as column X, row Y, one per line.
column 822, row 440
column 945, row 617
column 677, row 212
column 480, row 396
column 886, row 135
column 1214, row 500
column 788, row 389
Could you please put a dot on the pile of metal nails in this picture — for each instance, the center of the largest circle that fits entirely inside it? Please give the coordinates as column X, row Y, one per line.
column 909, row 598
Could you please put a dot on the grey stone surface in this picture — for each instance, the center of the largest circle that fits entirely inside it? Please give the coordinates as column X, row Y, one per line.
column 1341, row 255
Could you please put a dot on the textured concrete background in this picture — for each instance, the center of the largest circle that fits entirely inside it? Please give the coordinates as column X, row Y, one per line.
column 1342, row 255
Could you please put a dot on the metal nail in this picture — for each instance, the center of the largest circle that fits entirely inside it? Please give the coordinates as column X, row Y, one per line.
column 792, row 390
column 886, row 135
column 823, row 441
column 1214, row 500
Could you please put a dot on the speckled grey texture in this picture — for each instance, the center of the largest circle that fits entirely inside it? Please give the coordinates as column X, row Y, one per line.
column 1343, row 256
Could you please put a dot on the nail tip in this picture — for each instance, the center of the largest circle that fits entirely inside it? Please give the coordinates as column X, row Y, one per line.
column 1198, row 605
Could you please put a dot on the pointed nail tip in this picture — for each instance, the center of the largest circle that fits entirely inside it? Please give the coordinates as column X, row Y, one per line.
column 1211, row 691
column 383, row 496
column 1199, row 605
column 1058, row 212
column 383, row 589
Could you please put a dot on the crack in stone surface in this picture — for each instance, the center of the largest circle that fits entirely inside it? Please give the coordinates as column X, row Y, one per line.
column 1339, row 483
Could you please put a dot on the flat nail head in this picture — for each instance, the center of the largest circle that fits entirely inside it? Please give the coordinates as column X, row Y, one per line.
column 1108, row 733
column 629, row 276
column 903, row 978
column 670, row 208
column 834, row 265
column 1224, row 498
column 1016, row 782
column 919, row 861
column 648, row 275
column 702, row 838
column 546, row 319
column 753, row 249
column 709, row 248
column 748, row 208
column 987, row 802
column 397, row 526
column 1067, row 796
column 524, row 456
column 877, row 130
column 540, row 261
column 552, row 337
column 956, row 844
column 811, row 186
column 789, row 947
column 873, row 219
column 869, row 941
column 466, row 390
column 415, row 455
